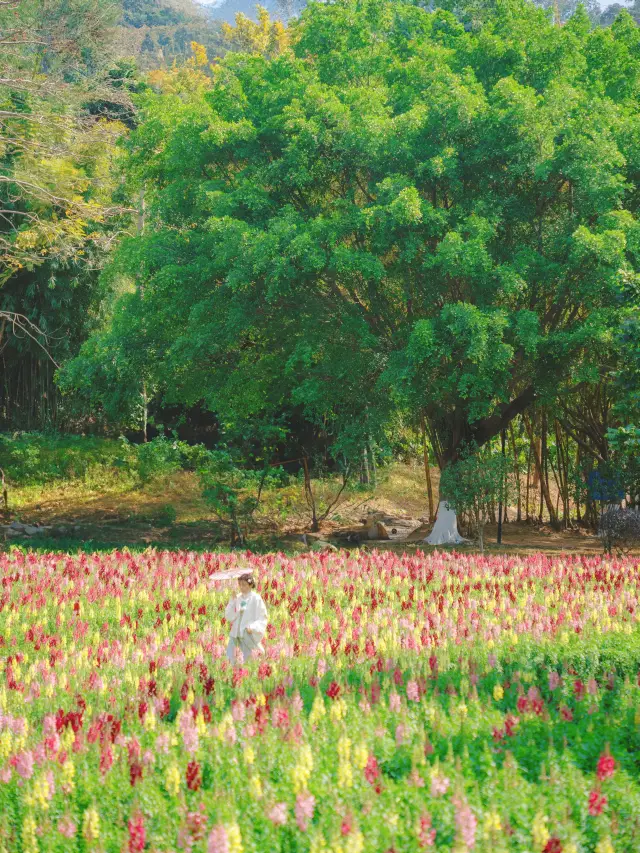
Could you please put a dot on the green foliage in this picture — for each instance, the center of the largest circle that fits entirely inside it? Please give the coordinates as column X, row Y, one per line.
column 625, row 451
column 396, row 215
column 233, row 492
column 475, row 483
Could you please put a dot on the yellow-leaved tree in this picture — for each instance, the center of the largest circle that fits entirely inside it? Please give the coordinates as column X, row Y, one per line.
column 266, row 37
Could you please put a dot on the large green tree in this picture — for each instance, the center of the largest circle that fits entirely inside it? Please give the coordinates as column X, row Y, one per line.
column 397, row 212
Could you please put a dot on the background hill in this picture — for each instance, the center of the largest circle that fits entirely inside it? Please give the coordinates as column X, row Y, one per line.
column 157, row 32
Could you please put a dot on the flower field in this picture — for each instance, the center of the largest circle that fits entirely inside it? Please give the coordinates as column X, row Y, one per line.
column 444, row 702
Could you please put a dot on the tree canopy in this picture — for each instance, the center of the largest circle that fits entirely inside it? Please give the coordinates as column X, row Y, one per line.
column 396, row 212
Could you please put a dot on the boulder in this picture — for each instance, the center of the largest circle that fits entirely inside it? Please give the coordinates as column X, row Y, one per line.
column 377, row 530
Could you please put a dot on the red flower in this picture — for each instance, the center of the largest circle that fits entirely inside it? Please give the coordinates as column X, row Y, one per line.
column 371, row 770
column 106, row 760
column 264, row 670
column 137, row 834
column 346, row 826
column 597, row 802
column 238, row 675
column 579, row 689
column 606, row 765
column 566, row 713
column 510, row 723
column 333, row 690
column 553, row 845
column 135, row 773
column 194, row 777
column 522, row 704
column 426, row 835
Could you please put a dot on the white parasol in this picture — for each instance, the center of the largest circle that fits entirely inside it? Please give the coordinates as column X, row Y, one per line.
column 230, row 574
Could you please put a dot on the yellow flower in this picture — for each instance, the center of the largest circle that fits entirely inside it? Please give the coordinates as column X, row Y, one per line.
column 255, row 787
column 344, row 748
column 539, row 831
column 249, row 755
column 172, row 780
column 200, row 724
column 492, row 824
column 605, row 846
column 68, row 772
column 5, row 744
column 360, row 756
column 41, row 792
column 498, row 692
column 345, row 775
column 234, row 838
column 149, row 721
column 317, row 710
column 354, row 843
column 91, row 824
column 338, row 710
column 29, row 838
column 300, row 778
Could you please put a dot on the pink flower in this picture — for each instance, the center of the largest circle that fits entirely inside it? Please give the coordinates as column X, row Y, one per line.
column 49, row 725
column 364, row 706
column 218, row 841
column 278, row 814
column 592, row 687
column 24, row 764
column 413, row 693
column 466, row 822
column 162, row 743
column 67, row 827
column 401, row 734
column 189, row 733
column 439, row 785
column 394, row 702
column 554, row 680
column 305, row 804
column 5, row 774
column 238, row 710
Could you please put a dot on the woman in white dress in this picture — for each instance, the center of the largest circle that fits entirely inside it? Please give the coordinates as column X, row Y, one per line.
column 247, row 615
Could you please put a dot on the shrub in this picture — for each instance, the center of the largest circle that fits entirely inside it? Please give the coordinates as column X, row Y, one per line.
column 619, row 529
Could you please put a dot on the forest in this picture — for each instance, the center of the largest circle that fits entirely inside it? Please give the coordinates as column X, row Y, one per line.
column 312, row 244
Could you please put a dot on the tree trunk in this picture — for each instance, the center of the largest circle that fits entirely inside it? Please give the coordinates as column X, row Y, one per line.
column 364, row 470
column 308, row 491
column 516, row 471
column 374, row 467
column 427, row 468
column 544, row 483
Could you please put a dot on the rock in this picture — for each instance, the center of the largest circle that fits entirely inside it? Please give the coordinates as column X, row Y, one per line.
column 321, row 545
column 12, row 533
column 30, row 530
column 301, row 537
column 17, row 525
column 377, row 531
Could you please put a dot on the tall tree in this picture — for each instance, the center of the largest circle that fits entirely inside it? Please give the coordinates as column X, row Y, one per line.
column 395, row 212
